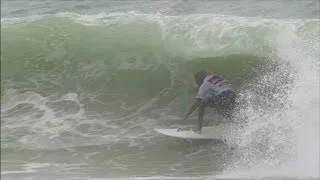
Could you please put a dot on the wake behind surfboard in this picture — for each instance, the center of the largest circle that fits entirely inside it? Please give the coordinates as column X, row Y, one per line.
column 208, row 132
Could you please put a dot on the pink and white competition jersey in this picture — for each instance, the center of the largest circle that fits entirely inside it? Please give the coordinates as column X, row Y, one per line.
column 213, row 85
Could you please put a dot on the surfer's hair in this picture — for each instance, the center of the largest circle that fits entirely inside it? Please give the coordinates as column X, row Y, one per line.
column 200, row 75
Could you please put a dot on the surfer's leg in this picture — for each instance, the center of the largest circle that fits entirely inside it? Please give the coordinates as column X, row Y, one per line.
column 200, row 115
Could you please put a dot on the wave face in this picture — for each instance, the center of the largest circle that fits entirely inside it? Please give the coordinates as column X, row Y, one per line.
column 89, row 89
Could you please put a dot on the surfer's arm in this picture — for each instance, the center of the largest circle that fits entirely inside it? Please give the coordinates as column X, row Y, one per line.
column 193, row 107
column 202, row 91
column 196, row 88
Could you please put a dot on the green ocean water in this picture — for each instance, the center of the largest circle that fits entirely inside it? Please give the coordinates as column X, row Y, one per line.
column 83, row 86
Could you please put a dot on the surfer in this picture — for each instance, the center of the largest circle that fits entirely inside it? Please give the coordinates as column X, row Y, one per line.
column 212, row 91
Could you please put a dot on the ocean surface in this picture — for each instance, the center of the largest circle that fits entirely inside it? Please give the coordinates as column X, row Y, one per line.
column 84, row 83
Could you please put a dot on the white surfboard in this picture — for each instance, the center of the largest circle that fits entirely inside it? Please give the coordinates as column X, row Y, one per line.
column 208, row 132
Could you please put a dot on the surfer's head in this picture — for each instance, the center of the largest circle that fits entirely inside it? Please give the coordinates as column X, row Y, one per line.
column 199, row 77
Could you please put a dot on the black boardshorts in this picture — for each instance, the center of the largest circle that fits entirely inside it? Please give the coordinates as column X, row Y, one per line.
column 224, row 102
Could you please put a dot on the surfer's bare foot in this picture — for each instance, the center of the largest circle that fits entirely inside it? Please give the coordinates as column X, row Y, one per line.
column 197, row 130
